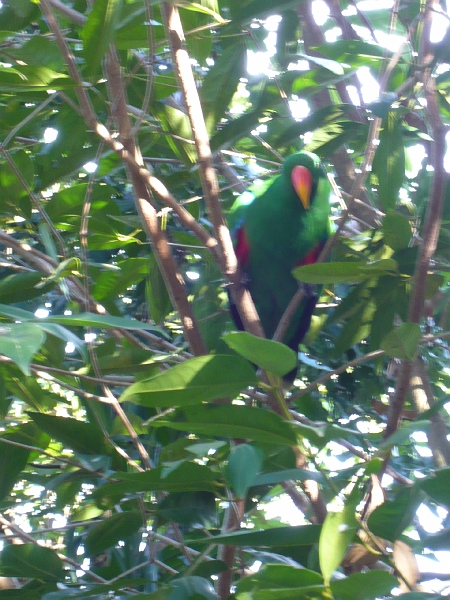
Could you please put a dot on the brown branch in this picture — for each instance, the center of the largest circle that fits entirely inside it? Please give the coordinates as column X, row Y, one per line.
column 227, row 258
column 423, row 398
column 433, row 218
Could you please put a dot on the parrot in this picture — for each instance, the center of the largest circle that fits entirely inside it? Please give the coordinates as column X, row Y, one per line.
column 276, row 226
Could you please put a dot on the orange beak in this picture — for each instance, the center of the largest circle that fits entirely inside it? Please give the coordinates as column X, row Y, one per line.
column 302, row 181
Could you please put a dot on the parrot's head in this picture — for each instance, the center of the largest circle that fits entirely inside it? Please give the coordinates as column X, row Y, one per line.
column 304, row 170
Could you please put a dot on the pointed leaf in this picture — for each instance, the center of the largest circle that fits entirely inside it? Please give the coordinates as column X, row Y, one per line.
column 338, row 530
column 190, row 509
column 188, row 476
column 266, row 354
column 196, row 380
column 402, row 342
column 233, row 421
column 438, row 486
column 301, row 535
column 30, row 560
column 364, row 586
column 391, row 518
column 20, row 342
column 82, row 437
column 192, row 587
column 244, row 464
column 344, row 272
column 221, row 83
column 389, row 162
column 286, row 474
column 397, row 231
column 105, row 322
column 98, row 32
column 112, row 530
column 13, row 459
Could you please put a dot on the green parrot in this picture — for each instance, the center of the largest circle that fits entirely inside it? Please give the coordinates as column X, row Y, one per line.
column 276, row 226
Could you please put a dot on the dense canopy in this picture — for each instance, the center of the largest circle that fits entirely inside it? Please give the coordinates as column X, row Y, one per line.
column 142, row 454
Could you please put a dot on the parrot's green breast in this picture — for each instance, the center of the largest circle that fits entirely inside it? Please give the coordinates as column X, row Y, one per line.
column 273, row 233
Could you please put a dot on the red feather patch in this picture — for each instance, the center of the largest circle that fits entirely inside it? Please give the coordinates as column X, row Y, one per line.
column 311, row 257
column 242, row 247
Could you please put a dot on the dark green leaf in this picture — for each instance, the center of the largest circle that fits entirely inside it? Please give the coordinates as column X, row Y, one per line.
column 13, row 458
column 192, row 587
column 190, row 509
column 286, row 474
column 389, row 520
column 301, row 535
column 80, row 436
column 31, row 560
column 438, row 486
column 402, row 342
column 234, row 421
column 187, row 476
column 111, row 530
column 364, row 586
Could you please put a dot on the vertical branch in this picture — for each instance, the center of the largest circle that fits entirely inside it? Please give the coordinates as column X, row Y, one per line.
column 144, row 203
column 139, row 175
column 227, row 258
column 433, row 217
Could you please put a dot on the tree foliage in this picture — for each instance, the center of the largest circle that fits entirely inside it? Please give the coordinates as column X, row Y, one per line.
column 141, row 453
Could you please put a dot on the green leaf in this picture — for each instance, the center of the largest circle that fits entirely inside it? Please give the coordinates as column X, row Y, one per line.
column 258, row 9
column 319, row 118
column 266, row 354
column 156, row 293
column 98, row 32
column 389, row 162
column 364, row 586
column 244, row 464
column 185, row 477
column 280, row 581
column 31, row 560
column 194, row 381
column 190, row 509
column 31, row 78
column 301, row 535
column 192, row 587
column 344, row 272
column 390, row 519
column 404, row 433
column 286, row 474
column 338, row 530
column 23, row 283
column 13, row 459
column 233, row 421
column 104, row 322
column 20, row 342
column 82, row 437
column 402, row 342
column 396, row 231
column 112, row 530
column 438, row 486
column 221, row 83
